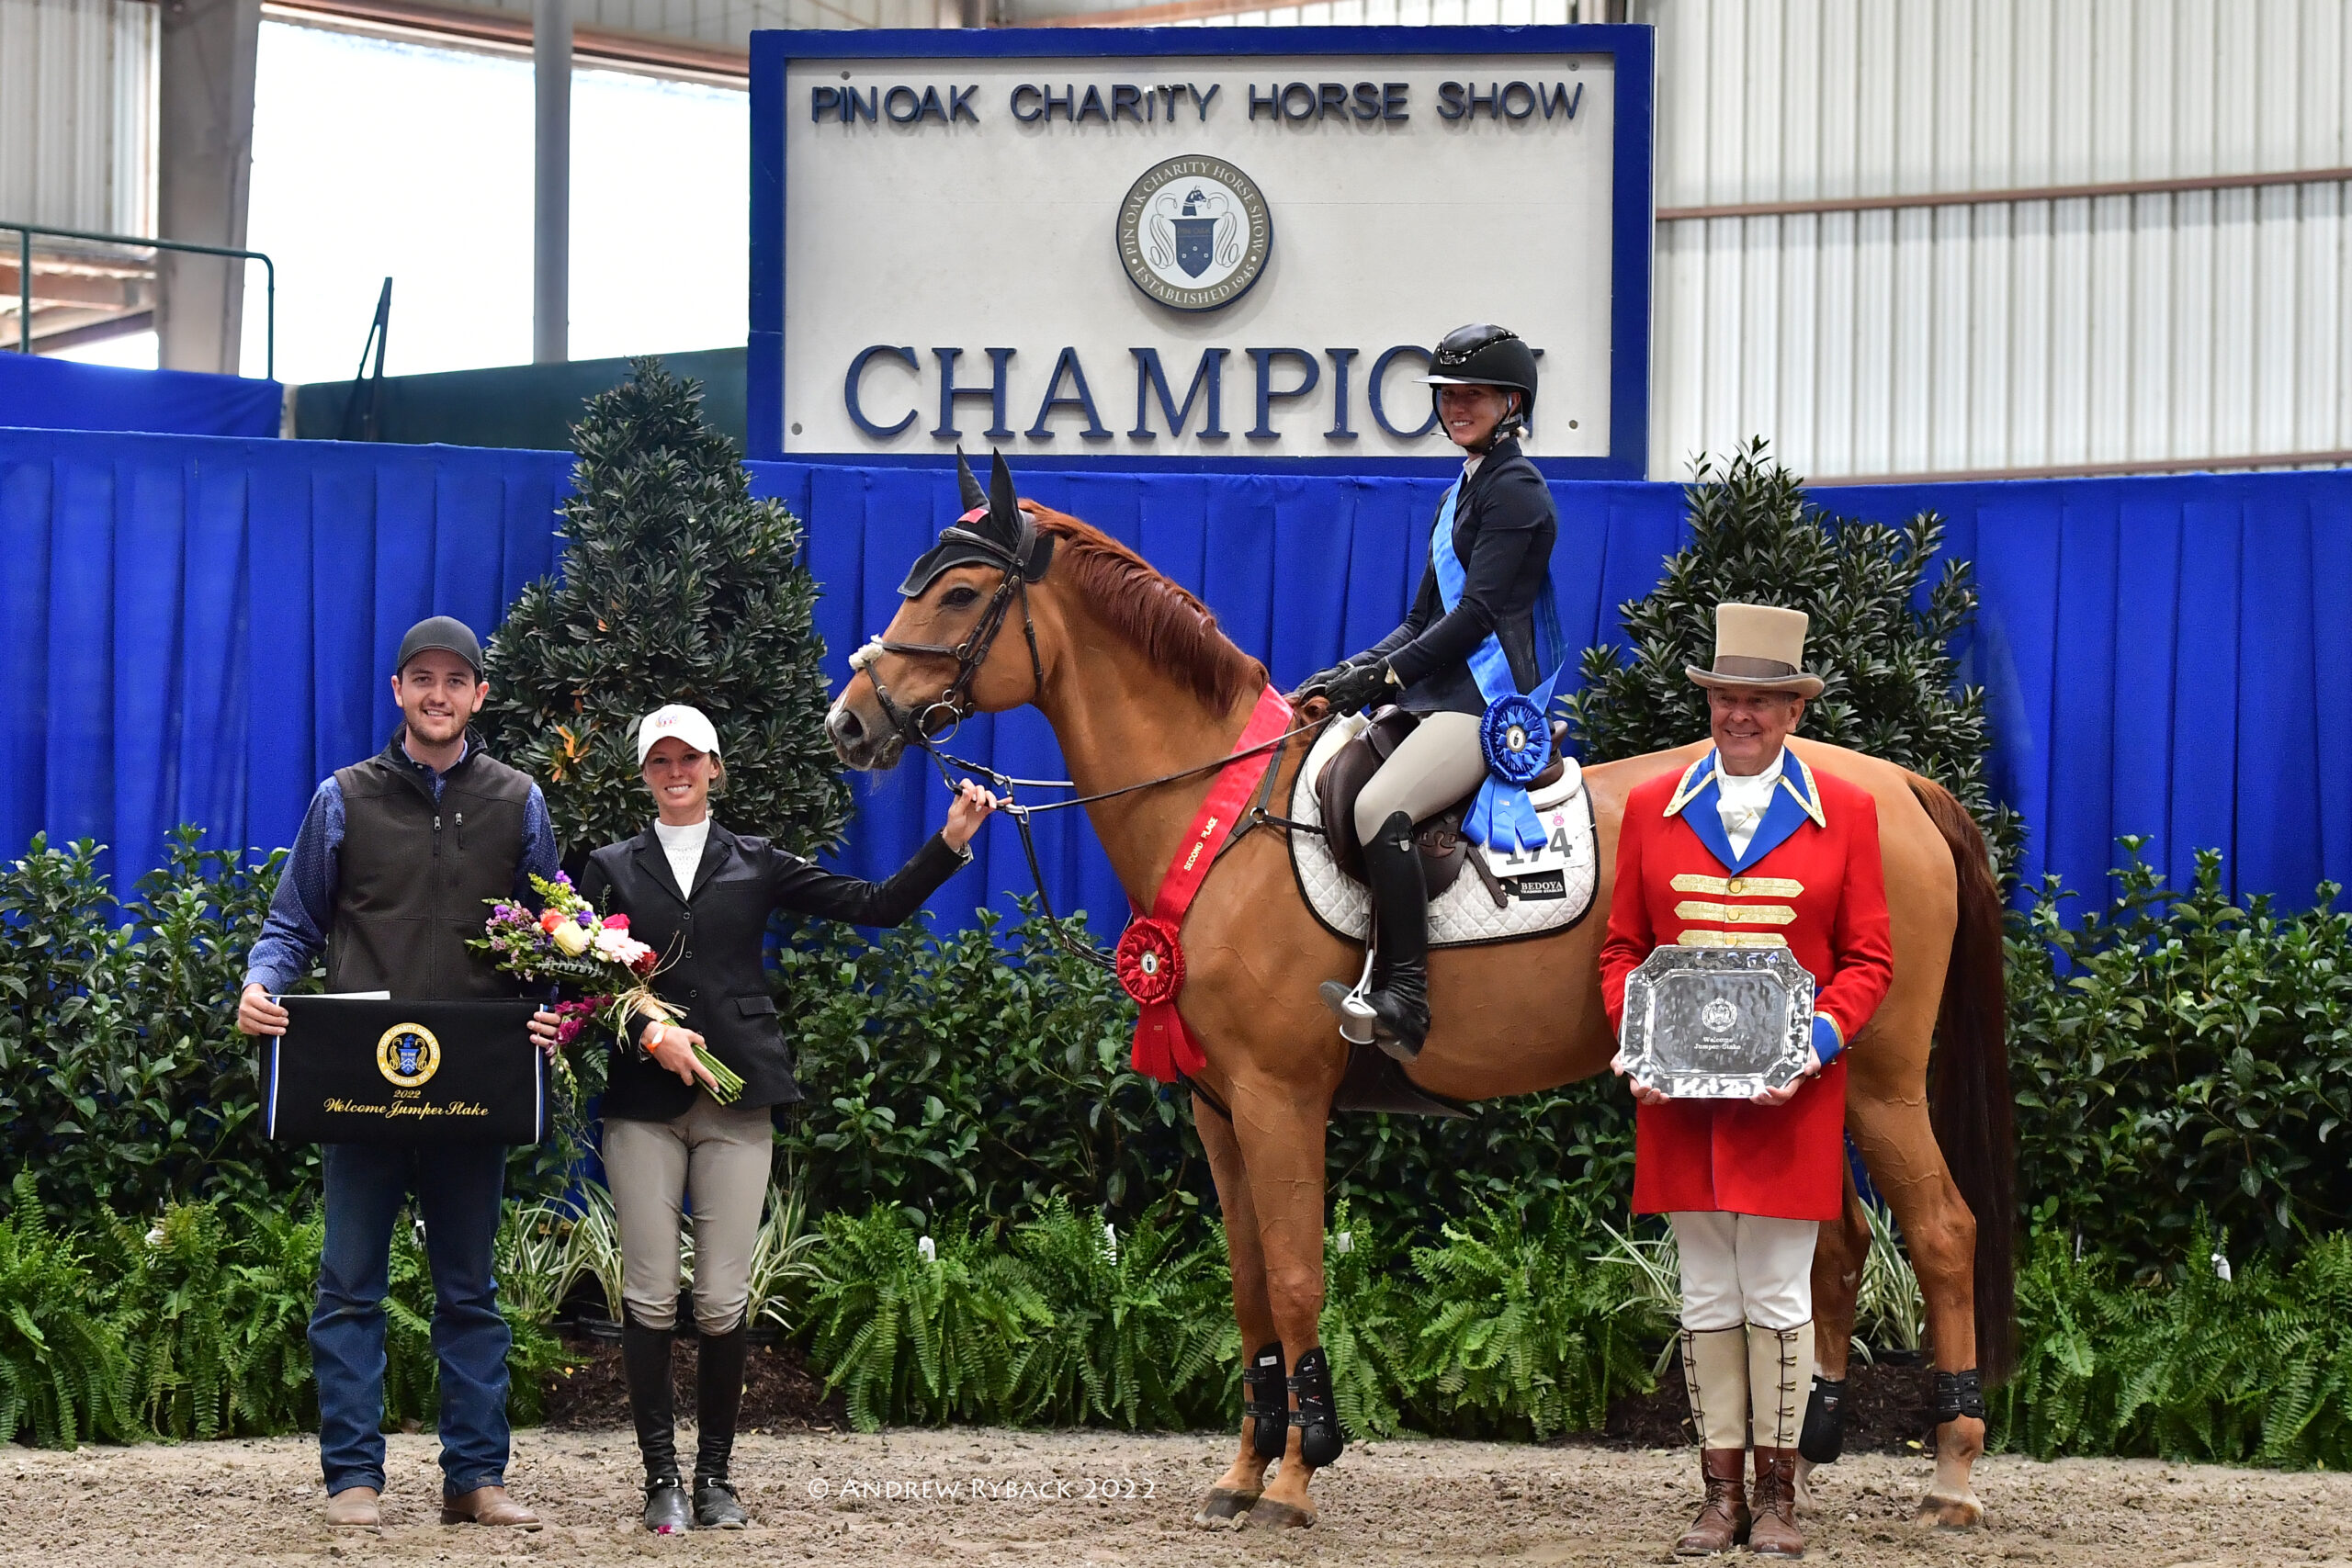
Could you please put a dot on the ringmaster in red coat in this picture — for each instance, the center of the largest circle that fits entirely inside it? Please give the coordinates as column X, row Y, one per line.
column 1750, row 848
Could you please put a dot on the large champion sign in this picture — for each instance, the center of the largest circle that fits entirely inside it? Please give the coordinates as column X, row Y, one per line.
column 1220, row 247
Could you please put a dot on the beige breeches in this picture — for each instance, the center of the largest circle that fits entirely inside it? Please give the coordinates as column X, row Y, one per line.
column 718, row 1154
column 1744, row 1269
column 1435, row 766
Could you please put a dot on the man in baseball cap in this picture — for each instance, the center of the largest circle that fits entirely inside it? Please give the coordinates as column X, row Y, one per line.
column 396, row 859
column 445, row 633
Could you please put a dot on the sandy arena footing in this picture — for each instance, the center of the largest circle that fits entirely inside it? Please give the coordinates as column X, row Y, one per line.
column 985, row 1496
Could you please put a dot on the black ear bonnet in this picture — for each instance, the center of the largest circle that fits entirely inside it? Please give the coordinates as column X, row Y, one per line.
column 994, row 530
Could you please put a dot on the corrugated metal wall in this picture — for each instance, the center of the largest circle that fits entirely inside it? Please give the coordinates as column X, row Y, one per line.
column 2013, row 335
column 78, row 114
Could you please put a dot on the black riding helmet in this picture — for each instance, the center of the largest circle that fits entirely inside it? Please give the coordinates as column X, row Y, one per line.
column 1484, row 356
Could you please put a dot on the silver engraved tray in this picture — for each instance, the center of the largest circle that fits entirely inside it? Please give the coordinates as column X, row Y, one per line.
column 1717, row 1022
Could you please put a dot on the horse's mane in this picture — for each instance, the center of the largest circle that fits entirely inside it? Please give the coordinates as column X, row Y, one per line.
column 1163, row 622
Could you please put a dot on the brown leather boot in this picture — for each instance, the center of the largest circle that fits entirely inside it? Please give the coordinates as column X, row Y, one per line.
column 1723, row 1521
column 355, row 1507
column 1774, row 1532
column 488, row 1505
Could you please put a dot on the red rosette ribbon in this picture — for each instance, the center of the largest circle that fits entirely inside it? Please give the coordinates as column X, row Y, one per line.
column 1151, row 961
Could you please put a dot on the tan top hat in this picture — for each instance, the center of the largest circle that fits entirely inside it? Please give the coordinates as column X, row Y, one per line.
column 1758, row 648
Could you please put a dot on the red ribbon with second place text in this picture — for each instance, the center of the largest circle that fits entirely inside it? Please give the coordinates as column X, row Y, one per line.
column 1151, row 957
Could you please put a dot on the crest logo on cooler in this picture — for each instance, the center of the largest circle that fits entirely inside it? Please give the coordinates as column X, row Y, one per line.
column 408, row 1054
column 1194, row 233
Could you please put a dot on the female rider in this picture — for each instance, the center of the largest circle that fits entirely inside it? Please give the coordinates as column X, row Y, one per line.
column 702, row 895
column 1473, row 625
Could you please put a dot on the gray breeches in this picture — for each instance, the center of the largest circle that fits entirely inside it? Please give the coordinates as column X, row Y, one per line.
column 1435, row 766
column 720, row 1154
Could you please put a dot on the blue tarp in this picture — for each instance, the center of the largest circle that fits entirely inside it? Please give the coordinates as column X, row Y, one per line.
column 199, row 629
column 57, row 394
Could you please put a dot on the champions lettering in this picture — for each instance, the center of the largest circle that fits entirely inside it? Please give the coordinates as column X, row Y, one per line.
column 885, row 379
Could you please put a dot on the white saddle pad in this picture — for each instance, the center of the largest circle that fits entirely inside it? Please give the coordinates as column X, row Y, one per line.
column 1545, row 891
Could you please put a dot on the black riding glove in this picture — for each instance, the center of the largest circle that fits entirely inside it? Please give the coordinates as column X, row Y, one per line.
column 1319, row 683
column 1359, row 685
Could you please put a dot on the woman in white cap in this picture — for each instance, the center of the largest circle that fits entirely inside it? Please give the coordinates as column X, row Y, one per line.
column 702, row 895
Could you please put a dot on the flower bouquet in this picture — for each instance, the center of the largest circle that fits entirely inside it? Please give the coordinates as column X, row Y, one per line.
column 566, row 944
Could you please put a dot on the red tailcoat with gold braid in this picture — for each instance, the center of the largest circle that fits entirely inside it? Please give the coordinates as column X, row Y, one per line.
column 1810, row 881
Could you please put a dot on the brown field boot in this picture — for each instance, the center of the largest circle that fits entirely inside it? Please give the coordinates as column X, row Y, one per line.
column 488, row 1505
column 355, row 1507
column 1723, row 1521
column 1774, row 1532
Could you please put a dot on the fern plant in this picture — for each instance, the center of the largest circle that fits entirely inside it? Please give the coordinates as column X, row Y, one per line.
column 2254, row 1364
column 915, row 1333
column 172, row 1305
column 1526, row 1329
column 63, row 1369
column 1133, row 1330
column 1370, row 1322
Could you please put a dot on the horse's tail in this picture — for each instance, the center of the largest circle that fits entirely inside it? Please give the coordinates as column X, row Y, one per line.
column 1969, row 1102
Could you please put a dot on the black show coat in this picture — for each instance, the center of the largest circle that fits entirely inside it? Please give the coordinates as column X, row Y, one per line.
column 713, row 934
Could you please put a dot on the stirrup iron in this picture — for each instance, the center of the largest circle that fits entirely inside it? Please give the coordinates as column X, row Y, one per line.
column 1354, row 1012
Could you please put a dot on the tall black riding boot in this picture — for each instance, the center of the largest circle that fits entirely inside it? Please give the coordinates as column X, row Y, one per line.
column 719, row 1397
column 1400, row 906
column 645, row 1359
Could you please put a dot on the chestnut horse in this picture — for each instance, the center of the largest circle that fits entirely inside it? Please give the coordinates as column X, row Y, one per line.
column 1138, row 683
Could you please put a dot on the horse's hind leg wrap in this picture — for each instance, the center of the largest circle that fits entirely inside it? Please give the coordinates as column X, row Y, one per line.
column 1823, row 1438
column 1317, row 1416
column 1956, row 1394
column 1263, row 1402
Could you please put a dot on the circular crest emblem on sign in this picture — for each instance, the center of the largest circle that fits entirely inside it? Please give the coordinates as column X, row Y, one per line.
column 1194, row 233
column 408, row 1054
column 1718, row 1015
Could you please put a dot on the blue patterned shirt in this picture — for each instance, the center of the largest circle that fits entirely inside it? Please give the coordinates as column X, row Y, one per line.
column 302, row 910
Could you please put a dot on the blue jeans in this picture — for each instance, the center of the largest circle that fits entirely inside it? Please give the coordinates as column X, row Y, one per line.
column 458, row 1189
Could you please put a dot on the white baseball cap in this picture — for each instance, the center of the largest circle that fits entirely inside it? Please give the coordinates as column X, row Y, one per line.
column 687, row 724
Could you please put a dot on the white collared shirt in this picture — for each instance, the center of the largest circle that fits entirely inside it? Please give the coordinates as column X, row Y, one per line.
column 1742, row 802
column 684, row 846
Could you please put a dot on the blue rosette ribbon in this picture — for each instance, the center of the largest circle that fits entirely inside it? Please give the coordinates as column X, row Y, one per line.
column 1515, row 738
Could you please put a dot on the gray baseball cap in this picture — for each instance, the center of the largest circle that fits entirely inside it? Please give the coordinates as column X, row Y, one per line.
column 447, row 633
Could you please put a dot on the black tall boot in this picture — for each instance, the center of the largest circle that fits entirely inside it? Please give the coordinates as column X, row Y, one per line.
column 719, row 1397
column 644, row 1358
column 1400, row 905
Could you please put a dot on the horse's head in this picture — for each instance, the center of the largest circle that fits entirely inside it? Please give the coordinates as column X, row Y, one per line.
column 945, row 655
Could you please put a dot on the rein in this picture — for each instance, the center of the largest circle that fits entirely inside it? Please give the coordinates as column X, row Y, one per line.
column 955, row 703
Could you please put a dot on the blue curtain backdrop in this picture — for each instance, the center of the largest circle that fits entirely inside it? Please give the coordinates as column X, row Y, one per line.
column 57, row 394
column 197, row 630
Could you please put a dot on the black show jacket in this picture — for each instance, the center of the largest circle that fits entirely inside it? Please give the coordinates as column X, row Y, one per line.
column 712, row 934
column 1504, row 525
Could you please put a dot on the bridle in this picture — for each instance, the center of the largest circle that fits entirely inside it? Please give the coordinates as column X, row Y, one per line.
column 971, row 654
column 955, row 701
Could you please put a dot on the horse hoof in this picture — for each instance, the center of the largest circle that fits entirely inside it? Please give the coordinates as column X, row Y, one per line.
column 1271, row 1515
column 1807, row 1504
column 1950, row 1512
column 1224, row 1508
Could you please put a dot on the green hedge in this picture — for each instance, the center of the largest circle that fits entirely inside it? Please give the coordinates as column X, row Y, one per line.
column 195, row 1324
column 2180, row 1059
column 1509, row 1325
